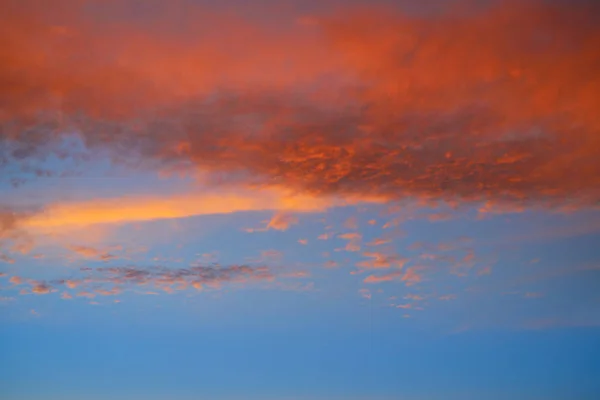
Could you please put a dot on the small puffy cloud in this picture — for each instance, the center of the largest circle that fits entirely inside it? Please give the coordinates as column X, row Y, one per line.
column 365, row 294
column 94, row 253
column 72, row 284
column 354, row 241
column 380, row 260
column 303, row 241
column 15, row 280
column 411, row 276
column 40, row 288
column 282, row 221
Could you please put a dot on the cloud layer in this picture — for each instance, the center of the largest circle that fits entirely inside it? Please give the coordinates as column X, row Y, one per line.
column 499, row 104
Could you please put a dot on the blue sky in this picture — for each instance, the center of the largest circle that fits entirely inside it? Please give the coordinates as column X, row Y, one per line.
column 357, row 201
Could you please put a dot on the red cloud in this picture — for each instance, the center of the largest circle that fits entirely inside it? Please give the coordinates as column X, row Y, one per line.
column 498, row 105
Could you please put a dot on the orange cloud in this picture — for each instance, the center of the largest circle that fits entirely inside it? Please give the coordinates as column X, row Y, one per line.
column 72, row 284
column 91, row 252
column 282, row 222
column 325, row 236
column 15, row 280
column 40, row 287
column 144, row 208
column 498, row 105
column 383, row 278
column 411, row 276
column 378, row 242
column 380, row 260
column 354, row 240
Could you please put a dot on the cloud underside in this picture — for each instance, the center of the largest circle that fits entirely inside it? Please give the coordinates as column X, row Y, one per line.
column 151, row 280
column 499, row 105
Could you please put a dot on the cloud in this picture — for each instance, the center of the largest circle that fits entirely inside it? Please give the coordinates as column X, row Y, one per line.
column 296, row 274
column 378, row 242
column 8, row 222
column 411, row 276
column 380, row 260
column 365, row 293
column 392, row 276
column 72, row 284
column 6, row 259
column 282, row 222
column 15, row 280
column 461, row 107
column 40, row 287
column 115, row 280
column 145, row 208
column 112, row 292
column 93, row 253
column 354, row 240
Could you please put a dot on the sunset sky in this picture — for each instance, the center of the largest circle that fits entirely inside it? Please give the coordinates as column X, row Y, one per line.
column 299, row 200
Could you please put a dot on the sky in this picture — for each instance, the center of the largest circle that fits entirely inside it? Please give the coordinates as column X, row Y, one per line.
column 299, row 200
